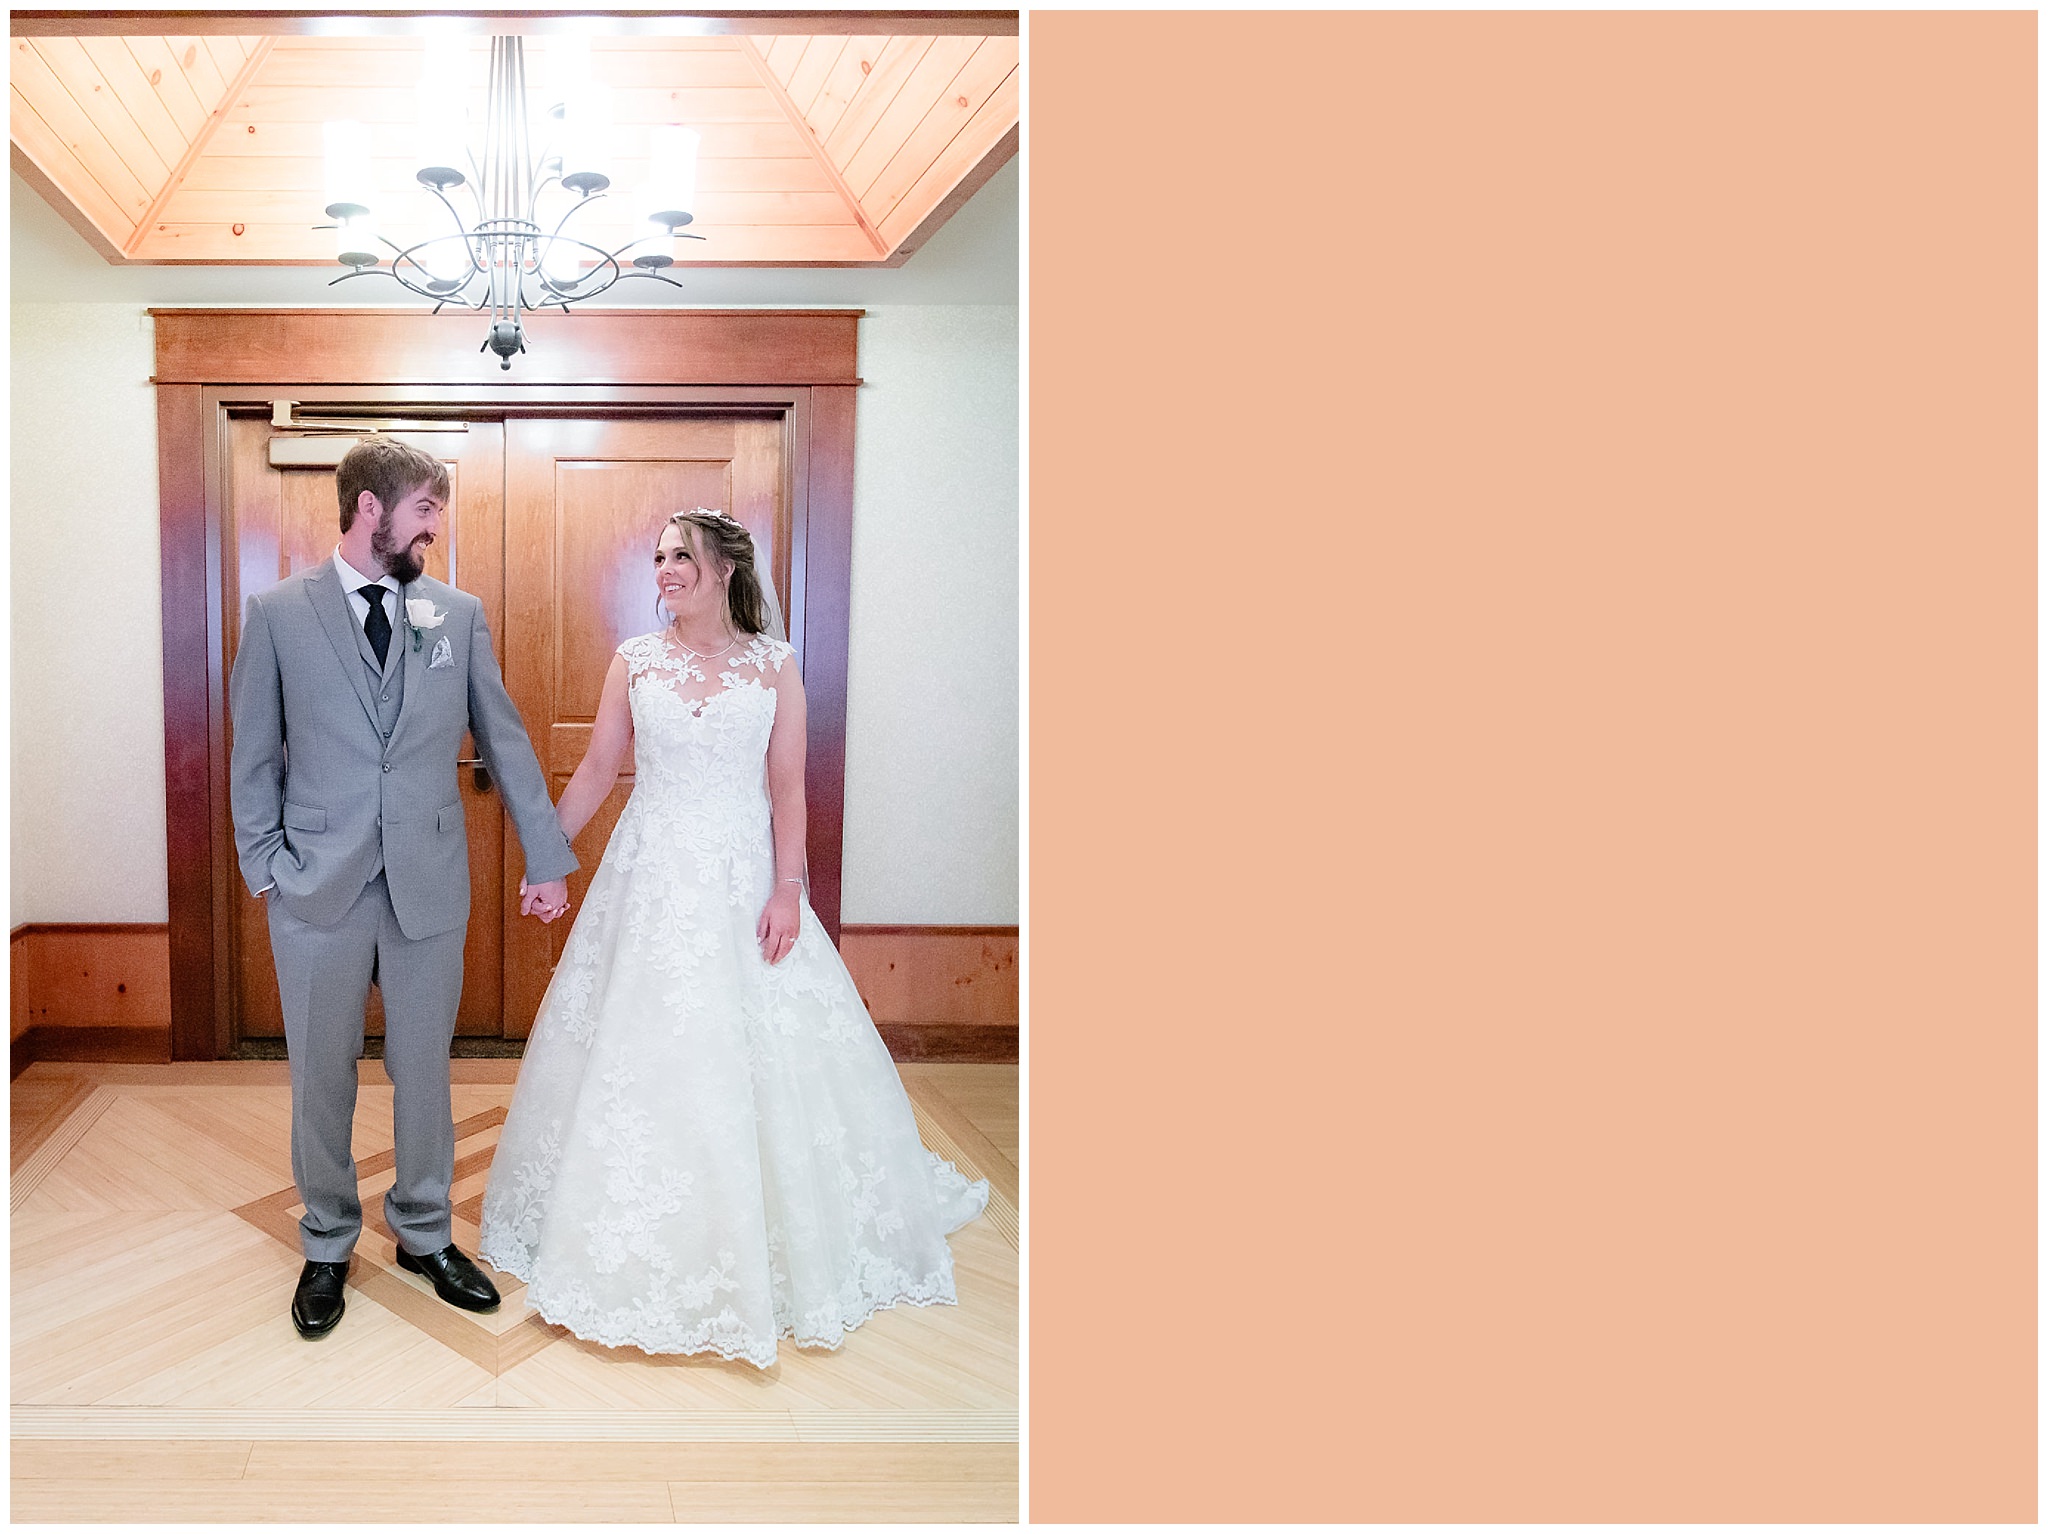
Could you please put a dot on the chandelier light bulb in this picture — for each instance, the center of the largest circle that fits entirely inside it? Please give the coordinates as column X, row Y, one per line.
column 671, row 175
column 355, row 240
column 568, row 68
column 446, row 259
column 586, row 137
column 347, row 166
column 442, row 95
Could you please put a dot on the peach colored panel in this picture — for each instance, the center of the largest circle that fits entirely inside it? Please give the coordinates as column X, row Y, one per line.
column 1532, row 910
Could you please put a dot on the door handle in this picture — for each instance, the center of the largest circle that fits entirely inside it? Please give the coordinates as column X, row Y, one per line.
column 481, row 774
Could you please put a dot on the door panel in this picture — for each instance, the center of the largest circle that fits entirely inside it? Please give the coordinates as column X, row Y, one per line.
column 585, row 501
column 280, row 521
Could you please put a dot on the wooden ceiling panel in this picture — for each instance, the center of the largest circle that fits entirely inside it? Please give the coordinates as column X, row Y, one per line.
column 288, row 173
column 144, row 100
column 301, row 140
column 150, row 161
column 266, row 103
column 229, row 55
column 212, row 244
column 969, row 92
column 50, row 124
column 815, row 146
column 900, row 56
column 668, row 64
column 902, row 122
column 958, row 172
column 783, row 54
column 43, row 158
column 850, row 70
column 112, row 125
column 201, row 67
column 414, row 208
column 920, row 91
column 173, row 86
column 820, row 57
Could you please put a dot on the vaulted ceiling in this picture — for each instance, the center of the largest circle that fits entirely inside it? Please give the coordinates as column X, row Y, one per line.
column 820, row 147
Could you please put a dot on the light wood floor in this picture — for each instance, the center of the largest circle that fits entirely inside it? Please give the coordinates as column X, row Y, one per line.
column 157, row 1377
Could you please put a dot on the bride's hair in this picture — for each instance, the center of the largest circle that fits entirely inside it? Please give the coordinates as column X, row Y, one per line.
column 730, row 548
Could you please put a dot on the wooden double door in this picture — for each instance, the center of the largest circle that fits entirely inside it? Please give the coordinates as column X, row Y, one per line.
column 551, row 525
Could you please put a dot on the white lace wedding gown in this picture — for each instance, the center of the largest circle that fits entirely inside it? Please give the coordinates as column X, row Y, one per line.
column 706, row 1152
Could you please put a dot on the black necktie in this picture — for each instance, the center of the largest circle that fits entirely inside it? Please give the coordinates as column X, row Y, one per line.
column 375, row 624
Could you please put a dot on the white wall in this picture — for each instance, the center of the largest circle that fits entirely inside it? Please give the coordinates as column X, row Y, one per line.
column 931, row 735
column 932, row 730
column 86, row 748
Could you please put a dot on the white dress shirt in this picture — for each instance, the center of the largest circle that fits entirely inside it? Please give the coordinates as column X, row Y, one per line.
column 353, row 581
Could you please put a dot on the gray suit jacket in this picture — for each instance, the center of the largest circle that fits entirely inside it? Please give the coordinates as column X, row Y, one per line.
column 320, row 798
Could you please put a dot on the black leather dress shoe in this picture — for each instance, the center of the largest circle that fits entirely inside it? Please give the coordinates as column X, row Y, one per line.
column 317, row 1302
column 456, row 1279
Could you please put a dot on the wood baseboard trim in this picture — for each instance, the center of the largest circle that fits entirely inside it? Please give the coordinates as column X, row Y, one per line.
column 100, row 991
column 90, row 929
column 68, row 977
column 934, row 976
column 922, row 1043
column 145, row 1045
column 960, row 1043
column 928, row 929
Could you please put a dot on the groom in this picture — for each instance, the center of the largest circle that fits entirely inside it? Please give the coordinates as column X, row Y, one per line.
column 352, row 687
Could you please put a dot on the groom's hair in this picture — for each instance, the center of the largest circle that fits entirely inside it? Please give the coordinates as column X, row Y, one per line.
column 390, row 471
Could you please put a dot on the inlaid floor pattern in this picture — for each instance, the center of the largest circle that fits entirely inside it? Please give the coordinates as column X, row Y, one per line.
column 157, row 1377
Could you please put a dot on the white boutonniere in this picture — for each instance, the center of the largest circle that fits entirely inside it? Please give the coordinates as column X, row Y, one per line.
column 420, row 613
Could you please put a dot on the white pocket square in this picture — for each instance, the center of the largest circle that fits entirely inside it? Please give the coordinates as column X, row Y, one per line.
column 442, row 656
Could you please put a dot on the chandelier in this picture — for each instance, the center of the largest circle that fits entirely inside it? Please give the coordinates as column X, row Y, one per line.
column 505, row 257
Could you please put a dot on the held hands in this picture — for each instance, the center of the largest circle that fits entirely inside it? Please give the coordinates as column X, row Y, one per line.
column 778, row 925
column 547, row 901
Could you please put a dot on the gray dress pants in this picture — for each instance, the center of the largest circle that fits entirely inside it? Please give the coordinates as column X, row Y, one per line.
column 323, row 977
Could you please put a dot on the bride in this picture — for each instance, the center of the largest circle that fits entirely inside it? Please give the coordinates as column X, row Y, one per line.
column 709, row 1147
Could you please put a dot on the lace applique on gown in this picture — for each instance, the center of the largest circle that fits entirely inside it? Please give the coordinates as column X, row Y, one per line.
column 706, row 1152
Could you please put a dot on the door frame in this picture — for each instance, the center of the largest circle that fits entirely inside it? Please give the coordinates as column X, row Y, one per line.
column 661, row 362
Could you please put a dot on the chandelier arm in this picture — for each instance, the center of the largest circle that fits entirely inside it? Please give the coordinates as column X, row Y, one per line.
column 669, row 234
column 363, row 271
column 642, row 240
column 582, row 202
column 650, row 276
column 604, row 259
column 429, row 275
column 412, row 287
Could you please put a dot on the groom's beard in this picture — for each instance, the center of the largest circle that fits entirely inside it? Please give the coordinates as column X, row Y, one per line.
column 406, row 563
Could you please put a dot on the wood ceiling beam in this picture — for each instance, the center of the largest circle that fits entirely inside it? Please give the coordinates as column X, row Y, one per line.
column 609, row 23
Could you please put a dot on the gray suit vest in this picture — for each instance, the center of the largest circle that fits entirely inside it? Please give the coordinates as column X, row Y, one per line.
column 387, row 682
